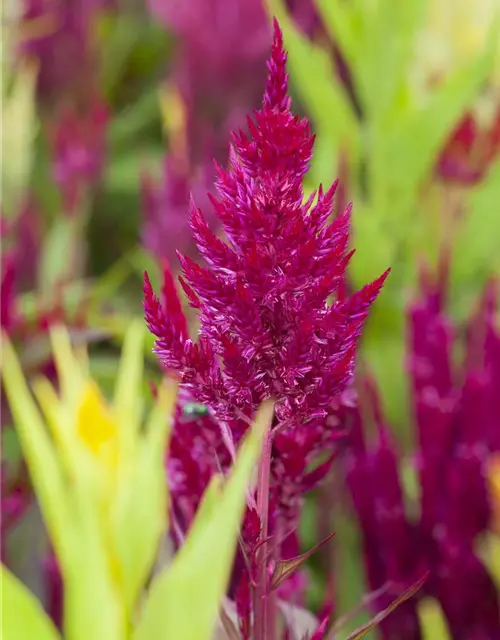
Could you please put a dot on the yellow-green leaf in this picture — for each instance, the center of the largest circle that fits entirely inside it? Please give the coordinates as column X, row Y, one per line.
column 127, row 404
column 184, row 600
column 39, row 453
column 139, row 517
column 432, row 620
column 22, row 614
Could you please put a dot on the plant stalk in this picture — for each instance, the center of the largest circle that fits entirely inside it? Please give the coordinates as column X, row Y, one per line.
column 264, row 628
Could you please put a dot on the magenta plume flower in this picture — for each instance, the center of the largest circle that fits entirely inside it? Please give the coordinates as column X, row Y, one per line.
column 165, row 227
column 455, row 406
column 272, row 322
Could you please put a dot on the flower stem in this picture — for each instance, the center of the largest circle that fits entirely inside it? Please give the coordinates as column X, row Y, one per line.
column 263, row 628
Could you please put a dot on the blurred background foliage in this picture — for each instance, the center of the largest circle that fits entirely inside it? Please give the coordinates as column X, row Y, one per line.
column 114, row 109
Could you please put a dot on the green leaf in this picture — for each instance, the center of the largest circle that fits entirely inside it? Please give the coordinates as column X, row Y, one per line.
column 184, row 600
column 120, row 34
column 39, row 453
column 92, row 601
column 340, row 20
column 11, row 450
column 286, row 568
column 138, row 523
column 432, row 620
column 414, row 142
column 16, row 139
column 378, row 43
column 124, row 169
column 127, row 404
column 475, row 255
column 129, row 123
column 61, row 248
column 23, row 616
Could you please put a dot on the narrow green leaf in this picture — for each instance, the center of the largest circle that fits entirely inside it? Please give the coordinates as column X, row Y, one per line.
column 93, row 607
column 120, row 34
column 60, row 252
column 23, row 616
column 432, row 620
column 39, row 453
column 16, row 139
column 129, row 123
column 184, row 600
column 124, row 169
column 127, row 404
column 475, row 255
column 339, row 19
column 139, row 523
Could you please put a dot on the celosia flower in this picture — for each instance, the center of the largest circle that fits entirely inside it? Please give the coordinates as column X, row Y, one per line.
column 78, row 151
column 267, row 329
column 59, row 36
column 219, row 66
column 165, row 228
column 457, row 429
column 274, row 323
column 470, row 150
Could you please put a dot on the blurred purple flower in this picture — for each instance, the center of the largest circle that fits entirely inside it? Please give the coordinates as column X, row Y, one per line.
column 219, row 66
column 470, row 150
column 54, row 589
column 79, row 151
column 15, row 497
column 165, row 227
column 59, row 36
column 457, row 418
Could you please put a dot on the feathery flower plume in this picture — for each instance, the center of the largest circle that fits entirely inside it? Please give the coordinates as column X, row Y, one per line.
column 266, row 326
column 274, row 323
column 456, row 413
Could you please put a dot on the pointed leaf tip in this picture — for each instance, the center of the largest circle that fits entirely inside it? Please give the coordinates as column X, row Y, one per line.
column 361, row 632
column 285, row 568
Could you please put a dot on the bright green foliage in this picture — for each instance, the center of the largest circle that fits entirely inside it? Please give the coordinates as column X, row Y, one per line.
column 18, row 110
column 100, row 480
column 22, row 614
column 432, row 620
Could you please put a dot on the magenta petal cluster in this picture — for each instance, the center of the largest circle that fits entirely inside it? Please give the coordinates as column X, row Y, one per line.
column 272, row 324
column 165, row 227
column 457, row 427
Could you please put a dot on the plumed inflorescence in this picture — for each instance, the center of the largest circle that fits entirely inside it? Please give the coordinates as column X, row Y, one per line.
column 272, row 321
column 455, row 407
